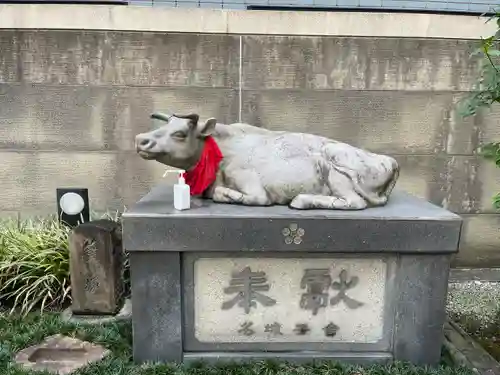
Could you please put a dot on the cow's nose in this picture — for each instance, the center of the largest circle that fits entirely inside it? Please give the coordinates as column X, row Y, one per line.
column 144, row 143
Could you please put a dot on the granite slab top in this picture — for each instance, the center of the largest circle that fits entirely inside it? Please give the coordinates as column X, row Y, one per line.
column 158, row 203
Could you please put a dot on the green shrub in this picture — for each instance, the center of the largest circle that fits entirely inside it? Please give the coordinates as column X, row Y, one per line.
column 34, row 264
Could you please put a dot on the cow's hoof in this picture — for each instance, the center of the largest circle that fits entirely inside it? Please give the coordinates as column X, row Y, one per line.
column 297, row 203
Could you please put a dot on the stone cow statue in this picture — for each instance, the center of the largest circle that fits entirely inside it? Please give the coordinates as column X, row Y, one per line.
column 261, row 167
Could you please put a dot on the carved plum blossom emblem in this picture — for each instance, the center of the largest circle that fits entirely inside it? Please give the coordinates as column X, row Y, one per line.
column 293, row 234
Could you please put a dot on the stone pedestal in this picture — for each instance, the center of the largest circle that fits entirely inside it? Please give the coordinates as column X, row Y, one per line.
column 232, row 282
column 96, row 268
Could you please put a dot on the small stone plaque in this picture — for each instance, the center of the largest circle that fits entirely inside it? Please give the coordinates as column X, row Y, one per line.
column 289, row 299
column 96, row 268
column 60, row 355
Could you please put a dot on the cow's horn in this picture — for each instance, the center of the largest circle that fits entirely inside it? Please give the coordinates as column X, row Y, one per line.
column 160, row 116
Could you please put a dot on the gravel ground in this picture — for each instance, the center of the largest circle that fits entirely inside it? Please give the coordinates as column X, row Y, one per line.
column 476, row 305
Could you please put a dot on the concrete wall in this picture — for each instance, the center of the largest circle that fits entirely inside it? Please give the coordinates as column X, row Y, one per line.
column 72, row 100
column 463, row 6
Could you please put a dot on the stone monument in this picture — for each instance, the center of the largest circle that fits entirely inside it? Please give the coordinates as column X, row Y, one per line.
column 96, row 268
column 363, row 281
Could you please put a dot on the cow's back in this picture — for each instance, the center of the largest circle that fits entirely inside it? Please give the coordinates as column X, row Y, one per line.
column 287, row 163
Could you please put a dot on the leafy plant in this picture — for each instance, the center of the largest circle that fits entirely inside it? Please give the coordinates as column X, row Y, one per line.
column 34, row 264
column 486, row 91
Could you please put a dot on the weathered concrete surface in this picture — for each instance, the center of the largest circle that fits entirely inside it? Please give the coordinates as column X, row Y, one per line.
column 96, row 118
column 398, row 122
column 295, row 62
column 72, row 101
column 163, row 19
column 32, row 178
column 480, row 241
column 117, row 58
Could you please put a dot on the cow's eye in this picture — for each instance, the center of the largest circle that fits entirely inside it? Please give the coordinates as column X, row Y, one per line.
column 179, row 135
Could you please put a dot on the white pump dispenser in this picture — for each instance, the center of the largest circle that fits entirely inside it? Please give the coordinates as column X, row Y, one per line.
column 182, row 192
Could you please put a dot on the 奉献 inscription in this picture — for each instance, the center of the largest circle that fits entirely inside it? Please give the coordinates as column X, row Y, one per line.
column 247, row 286
column 342, row 286
column 316, row 282
column 301, row 291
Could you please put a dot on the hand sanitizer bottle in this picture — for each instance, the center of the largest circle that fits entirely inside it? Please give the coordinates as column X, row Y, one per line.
column 182, row 192
column 182, row 196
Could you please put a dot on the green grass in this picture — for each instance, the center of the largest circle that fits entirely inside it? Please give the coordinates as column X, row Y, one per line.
column 17, row 332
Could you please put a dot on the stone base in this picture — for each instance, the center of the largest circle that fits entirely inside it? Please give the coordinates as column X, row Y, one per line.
column 293, row 357
column 229, row 282
column 60, row 355
column 124, row 314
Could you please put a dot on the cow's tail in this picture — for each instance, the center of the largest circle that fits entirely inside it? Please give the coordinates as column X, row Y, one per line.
column 374, row 199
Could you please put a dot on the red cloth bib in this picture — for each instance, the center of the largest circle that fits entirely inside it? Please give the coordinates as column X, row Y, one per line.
column 203, row 174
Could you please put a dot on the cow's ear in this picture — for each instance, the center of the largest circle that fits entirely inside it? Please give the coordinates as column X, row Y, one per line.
column 207, row 128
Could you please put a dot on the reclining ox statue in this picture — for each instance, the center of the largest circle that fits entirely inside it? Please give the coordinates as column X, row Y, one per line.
column 260, row 167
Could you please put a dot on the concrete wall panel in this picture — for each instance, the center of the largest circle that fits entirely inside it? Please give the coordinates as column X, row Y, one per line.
column 58, row 117
column 487, row 123
column 115, row 58
column 10, row 61
column 222, row 21
column 381, row 121
column 137, row 176
column 133, row 116
column 462, row 184
column 32, row 179
column 95, row 118
column 480, row 242
column 295, row 62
